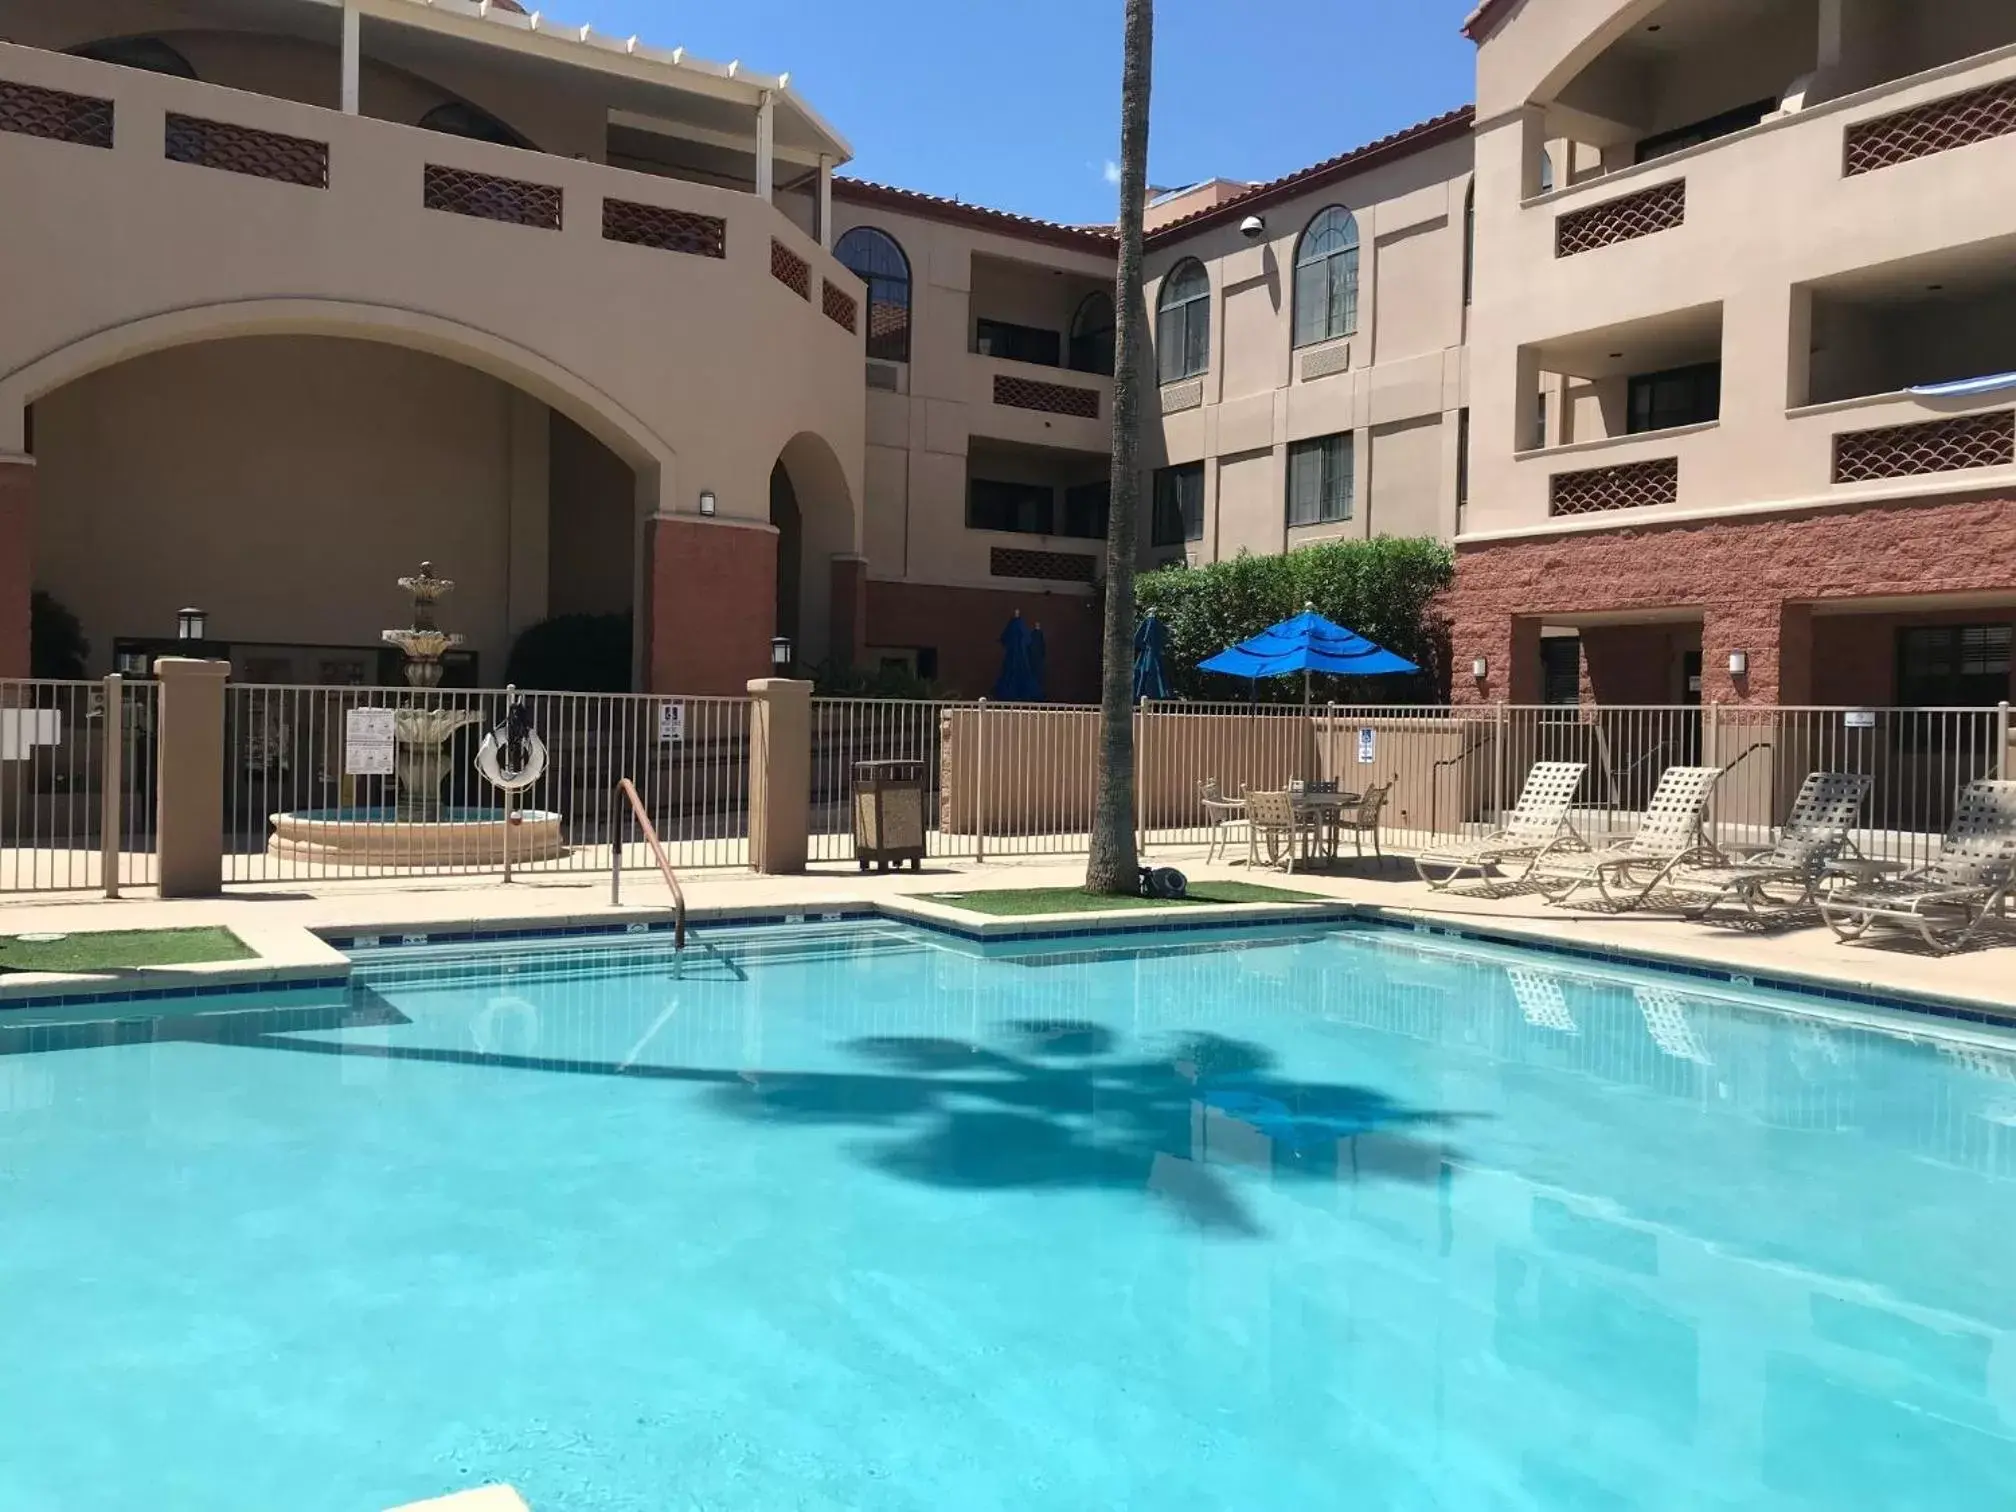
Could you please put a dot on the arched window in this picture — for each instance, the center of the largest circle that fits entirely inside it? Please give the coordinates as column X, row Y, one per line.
column 150, row 53
column 1326, row 278
column 457, row 118
column 1092, row 334
column 1546, row 171
column 1183, row 322
column 874, row 257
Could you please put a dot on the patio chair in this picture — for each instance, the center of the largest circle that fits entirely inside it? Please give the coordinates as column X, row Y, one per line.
column 1363, row 819
column 1274, row 818
column 1669, row 836
column 1816, row 832
column 1221, row 814
column 1537, row 826
column 1946, row 903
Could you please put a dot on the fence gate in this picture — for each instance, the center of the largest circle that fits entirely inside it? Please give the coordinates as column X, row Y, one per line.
column 77, row 781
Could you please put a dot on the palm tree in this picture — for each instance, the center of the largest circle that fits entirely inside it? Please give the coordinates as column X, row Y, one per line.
column 1113, row 867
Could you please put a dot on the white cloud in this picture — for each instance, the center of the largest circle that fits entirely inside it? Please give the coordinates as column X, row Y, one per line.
column 1111, row 172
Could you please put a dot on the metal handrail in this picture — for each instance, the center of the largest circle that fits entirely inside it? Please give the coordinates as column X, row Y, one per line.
column 1470, row 747
column 628, row 789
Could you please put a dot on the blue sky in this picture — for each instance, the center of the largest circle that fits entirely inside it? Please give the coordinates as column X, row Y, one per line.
column 1015, row 103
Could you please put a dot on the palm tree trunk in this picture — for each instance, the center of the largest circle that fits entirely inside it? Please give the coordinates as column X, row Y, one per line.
column 1113, row 867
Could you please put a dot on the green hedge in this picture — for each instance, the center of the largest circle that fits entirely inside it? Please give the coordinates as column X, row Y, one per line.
column 1385, row 589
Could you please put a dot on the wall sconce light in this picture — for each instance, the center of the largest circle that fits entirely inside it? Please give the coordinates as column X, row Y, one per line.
column 707, row 502
column 1739, row 663
column 780, row 652
column 1480, row 669
column 190, row 624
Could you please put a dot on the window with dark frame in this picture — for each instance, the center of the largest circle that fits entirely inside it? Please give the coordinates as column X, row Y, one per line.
column 1086, row 506
column 875, row 258
column 1728, row 123
column 1178, row 512
column 1679, row 396
column 1954, row 666
column 1018, row 343
column 1326, row 278
column 1462, row 464
column 1319, row 480
column 1561, row 670
column 1092, row 334
column 1183, row 323
column 1021, row 508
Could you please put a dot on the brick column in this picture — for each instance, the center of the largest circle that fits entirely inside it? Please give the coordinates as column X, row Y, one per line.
column 848, row 634
column 1483, row 624
column 189, row 817
column 17, row 561
column 780, row 774
column 1776, row 639
column 711, row 604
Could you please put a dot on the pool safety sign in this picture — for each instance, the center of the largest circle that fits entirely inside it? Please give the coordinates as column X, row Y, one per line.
column 367, row 743
column 671, row 722
column 1368, row 747
column 22, row 730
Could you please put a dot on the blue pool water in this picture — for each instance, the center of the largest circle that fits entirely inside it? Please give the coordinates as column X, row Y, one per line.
column 856, row 1217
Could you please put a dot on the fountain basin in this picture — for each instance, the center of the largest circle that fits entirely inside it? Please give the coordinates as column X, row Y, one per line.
column 379, row 837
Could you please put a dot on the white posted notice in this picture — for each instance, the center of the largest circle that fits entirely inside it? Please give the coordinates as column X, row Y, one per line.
column 671, row 722
column 367, row 743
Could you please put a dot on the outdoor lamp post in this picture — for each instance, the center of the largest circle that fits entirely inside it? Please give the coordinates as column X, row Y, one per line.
column 190, row 624
column 780, row 654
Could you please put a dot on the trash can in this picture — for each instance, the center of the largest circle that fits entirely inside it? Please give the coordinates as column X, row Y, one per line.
column 889, row 813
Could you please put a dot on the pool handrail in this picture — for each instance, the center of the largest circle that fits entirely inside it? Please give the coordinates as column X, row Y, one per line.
column 628, row 789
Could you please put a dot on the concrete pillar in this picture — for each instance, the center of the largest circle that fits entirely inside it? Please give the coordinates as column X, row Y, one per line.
column 766, row 148
column 780, row 774
column 17, row 560
column 826, row 202
column 353, row 27
column 712, row 603
column 189, row 817
column 847, row 638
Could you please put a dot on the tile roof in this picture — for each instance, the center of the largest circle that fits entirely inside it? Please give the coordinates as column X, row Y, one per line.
column 1451, row 126
column 1483, row 20
column 958, row 212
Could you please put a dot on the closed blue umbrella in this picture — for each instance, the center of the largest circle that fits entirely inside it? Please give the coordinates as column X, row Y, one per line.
column 1039, row 664
column 1151, row 639
column 1017, row 682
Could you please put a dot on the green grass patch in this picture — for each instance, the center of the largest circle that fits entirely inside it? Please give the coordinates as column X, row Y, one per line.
column 1009, row 902
column 121, row 949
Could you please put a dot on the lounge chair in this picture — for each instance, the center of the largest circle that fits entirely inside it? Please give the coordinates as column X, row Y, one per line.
column 1947, row 903
column 1670, row 835
column 1816, row 833
column 1537, row 826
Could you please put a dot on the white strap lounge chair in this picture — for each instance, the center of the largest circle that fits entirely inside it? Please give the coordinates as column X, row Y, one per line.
column 1947, row 903
column 1537, row 826
column 1670, row 835
column 1816, row 833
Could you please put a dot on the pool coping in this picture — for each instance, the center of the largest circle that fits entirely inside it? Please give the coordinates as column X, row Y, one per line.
column 297, row 956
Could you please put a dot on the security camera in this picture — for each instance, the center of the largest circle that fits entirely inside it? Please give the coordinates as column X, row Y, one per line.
column 1252, row 228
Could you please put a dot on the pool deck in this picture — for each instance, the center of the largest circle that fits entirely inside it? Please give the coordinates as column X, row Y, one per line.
column 286, row 927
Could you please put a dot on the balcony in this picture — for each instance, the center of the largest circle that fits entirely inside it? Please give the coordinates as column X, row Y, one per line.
column 1035, row 405
column 134, row 194
column 1889, row 172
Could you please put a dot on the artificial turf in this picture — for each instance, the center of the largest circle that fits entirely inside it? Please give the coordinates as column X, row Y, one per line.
column 120, row 949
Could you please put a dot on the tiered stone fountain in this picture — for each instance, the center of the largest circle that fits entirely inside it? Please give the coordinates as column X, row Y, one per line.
column 419, row 830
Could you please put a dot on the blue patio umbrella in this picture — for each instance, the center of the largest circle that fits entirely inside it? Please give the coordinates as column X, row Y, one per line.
column 1307, row 643
column 1039, row 662
column 1018, row 682
column 1151, row 639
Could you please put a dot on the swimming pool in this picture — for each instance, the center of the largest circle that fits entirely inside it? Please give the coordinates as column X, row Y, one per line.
column 862, row 1216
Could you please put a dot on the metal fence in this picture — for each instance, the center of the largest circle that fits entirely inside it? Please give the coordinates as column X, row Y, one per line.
column 77, row 781
column 305, row 799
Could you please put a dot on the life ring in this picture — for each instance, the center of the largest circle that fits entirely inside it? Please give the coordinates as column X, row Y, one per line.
column 491, row 756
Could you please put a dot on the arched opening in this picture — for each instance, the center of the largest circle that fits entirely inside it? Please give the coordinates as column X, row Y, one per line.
column 283, row 482
column 1183, row 322
column 148, row 53
column 1092, row 334
column 458, row 118
column 874, row 257
column 1326, row 278
column 817, row 540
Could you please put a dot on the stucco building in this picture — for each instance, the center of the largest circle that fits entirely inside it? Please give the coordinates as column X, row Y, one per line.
column 1663, row 335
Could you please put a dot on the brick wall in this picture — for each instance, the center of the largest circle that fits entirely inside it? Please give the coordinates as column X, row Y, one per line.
column 712, row 606
column 964, row 626
column 17, row 563
column 1751, row 579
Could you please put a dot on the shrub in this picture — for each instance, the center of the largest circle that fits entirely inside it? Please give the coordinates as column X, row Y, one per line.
column 56, row 643
column 1385, row 589
column 838, row 680
column 573, row 653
